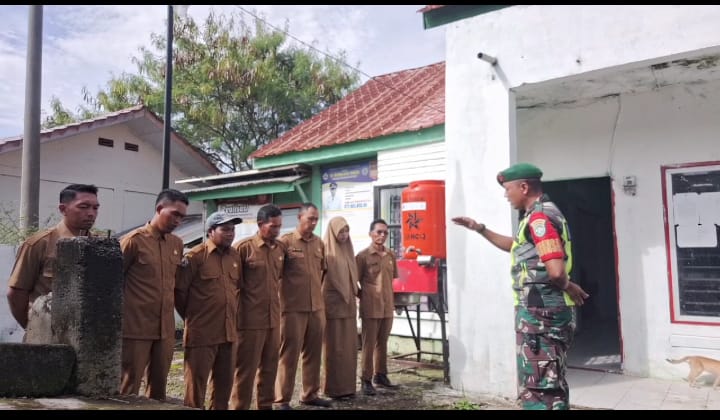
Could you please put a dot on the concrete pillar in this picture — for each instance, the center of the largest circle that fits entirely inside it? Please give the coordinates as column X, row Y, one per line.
column 87, row 311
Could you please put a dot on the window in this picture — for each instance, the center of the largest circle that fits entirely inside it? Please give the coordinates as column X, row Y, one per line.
column 387, row 199
column 692, row 206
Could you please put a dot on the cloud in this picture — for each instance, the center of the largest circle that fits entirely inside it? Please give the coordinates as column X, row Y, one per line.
column 87, row 45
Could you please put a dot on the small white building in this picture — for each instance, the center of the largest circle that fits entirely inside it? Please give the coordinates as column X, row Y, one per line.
column 120, row 153
column 619, row 106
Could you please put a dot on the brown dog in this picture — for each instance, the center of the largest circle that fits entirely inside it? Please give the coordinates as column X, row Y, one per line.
column 698, row 365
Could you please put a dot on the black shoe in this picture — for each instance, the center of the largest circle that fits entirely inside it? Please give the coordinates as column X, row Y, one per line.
column 283, row 406
column 343, row 397
column 318, row 402
column 382, row 380
column 368, row 388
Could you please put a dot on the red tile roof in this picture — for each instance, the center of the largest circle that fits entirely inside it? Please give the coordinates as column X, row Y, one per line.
column 408, row 100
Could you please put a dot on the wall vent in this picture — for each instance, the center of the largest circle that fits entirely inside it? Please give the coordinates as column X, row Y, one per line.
column 132, row 147
column 106, row 142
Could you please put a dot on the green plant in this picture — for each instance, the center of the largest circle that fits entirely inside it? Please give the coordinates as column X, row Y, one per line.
column 466, row 405
column 11, row 233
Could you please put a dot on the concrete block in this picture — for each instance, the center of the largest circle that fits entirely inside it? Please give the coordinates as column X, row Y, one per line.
column 35, row 370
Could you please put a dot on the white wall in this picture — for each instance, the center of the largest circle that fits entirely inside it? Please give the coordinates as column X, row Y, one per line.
column 535, row 44
column 539, row 43
column 10, row 330
column 418, row 163
column 673, row 125
column 128, row 181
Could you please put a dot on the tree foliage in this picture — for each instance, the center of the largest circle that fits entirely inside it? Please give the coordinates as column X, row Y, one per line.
column 236, row 86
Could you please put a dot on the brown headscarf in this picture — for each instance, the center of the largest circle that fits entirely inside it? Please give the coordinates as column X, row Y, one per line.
column 342, row 269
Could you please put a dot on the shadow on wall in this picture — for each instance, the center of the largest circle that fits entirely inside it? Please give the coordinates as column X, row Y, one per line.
column 456, row 277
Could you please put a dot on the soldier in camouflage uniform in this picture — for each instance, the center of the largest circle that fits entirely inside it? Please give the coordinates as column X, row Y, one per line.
column 544, row 296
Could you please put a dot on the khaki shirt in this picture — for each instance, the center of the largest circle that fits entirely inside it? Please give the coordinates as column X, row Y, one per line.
column 376, row 275
column 34, row 268
column 300, row 289
column 150, row 261
column 262, row 268
column 206, row 295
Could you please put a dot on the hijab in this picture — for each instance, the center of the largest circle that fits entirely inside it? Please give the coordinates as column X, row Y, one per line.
column 342, row 268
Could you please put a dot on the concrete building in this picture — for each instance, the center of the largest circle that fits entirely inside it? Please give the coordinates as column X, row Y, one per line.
column 120, row 152
column 618, row 105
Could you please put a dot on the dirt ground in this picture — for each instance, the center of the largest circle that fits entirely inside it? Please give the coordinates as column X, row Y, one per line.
column 420, row 387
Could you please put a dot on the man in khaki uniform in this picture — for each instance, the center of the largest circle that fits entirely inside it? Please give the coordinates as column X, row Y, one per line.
column 377, row 267
column 206, row 297
column 262, row 259
column 151, row 256
column 34, row 268
column 302, row 323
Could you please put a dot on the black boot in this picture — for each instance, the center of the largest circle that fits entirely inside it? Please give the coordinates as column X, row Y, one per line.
column 367, row 388
column 382, row 380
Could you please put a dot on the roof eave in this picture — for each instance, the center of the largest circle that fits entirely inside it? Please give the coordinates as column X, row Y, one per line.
column 438, row 16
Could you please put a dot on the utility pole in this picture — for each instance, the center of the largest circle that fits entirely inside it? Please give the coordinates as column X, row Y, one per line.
column 168, row 99
column 30, row 177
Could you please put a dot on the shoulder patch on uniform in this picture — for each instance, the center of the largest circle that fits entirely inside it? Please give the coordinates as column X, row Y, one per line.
column 134, row 233
column 35, row 238
column 538, row 227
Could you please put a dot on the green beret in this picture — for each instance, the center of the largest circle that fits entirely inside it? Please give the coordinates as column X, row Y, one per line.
column 519, row 171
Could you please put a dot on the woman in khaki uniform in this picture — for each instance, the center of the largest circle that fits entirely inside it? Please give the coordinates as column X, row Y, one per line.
column 339, row 291
column 206, row 297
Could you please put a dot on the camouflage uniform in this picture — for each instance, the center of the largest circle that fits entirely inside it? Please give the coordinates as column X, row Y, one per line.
column 544, row 314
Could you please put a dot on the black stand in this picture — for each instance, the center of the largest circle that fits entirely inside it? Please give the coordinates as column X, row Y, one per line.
column 438, row 304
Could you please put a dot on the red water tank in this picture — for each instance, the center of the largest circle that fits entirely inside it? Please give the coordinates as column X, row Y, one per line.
column 423, row 217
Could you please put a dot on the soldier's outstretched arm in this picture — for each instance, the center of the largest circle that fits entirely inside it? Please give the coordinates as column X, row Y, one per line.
column 500, row 241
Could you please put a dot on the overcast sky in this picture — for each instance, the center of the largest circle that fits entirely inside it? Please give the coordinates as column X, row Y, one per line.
column 87, row 45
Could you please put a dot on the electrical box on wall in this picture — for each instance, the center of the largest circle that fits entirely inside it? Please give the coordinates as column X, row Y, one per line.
column 629, row 184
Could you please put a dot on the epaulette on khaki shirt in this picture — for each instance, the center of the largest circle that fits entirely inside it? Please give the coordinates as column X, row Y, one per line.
column 150, row 261
column 262, row 268
column 34, row 268
column 305, row 266
column 206, row 294
column 376, row 275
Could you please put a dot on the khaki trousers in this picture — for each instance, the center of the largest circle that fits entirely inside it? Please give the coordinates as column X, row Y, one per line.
column 256, row 361
column 300, row 333
column 375, row 335
column 200, row 363
column 149, row 360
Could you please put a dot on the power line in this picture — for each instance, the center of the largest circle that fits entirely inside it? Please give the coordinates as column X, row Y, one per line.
column 336, row 59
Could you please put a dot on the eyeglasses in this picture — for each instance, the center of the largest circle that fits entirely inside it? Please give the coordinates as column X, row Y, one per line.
column 381, row 232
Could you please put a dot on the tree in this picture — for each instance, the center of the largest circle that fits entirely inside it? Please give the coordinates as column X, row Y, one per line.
column 235, row 88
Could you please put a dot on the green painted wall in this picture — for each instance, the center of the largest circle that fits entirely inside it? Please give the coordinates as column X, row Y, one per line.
column 284, row 194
